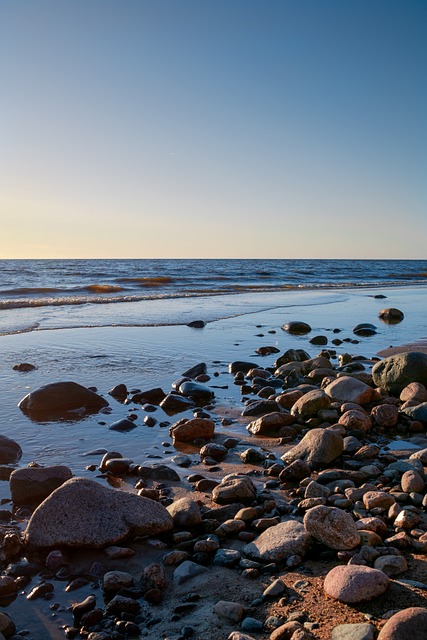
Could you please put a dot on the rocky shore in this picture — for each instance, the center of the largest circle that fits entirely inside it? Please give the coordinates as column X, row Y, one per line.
column 313, row 526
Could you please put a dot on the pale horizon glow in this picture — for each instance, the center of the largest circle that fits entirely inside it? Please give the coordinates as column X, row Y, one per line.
column 213, row 129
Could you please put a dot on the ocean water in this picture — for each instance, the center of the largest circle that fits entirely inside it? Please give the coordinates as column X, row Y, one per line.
column 54, row 294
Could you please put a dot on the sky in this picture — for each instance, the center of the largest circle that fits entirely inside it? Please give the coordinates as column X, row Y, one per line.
column 213, row 128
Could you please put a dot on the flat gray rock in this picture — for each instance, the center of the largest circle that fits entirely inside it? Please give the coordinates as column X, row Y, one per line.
column 83, row 513
column 277, row 543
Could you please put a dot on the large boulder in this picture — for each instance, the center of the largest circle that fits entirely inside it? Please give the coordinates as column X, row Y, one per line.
column 349, row 389
column 394, row 373
column 277, row 543
column 318, row 447
column 407, row 624
column 332, row 526
column 310, row 404
column 10, row 451
column 353, row 583
column 83, row 513
column 61, row 400
column 31, row 485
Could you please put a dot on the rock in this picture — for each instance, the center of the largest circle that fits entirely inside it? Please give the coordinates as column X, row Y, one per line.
column 31, row 485
column 82, row 513
column 270, row 423
column 394, row 373
column 286, row 631
column 196, row 324
column 391, row 565
column 153, row 577
column 119, row 391
column 357, row 420
column 158, row 472
column 174, row 403
column 310, row 404
column 236, row 635
column 381, row 499
column 10, row 451
column 365, row 329
column 189, row 430
column 296, row 327
column 7, row 626
column 61, row 400
column 348, row 389
column 234, row 488
column 196, row 391
column 186, row 571
column 117, row 466
column 260, row 408
column 24, row 367
column 385, row 415
column 352, row 584
column 185, row 513
column 294, row 472
column 122, row 425
column 414, row 391
column 318, row 447
column 391, row 315
column 418, row 412
column 332, row 526
column 358, row 631
column 277, row 543
column 231, row 611
column 152, row 396
column 116, row 580
column 411, row 481
column 240, row 365
column 408, row 624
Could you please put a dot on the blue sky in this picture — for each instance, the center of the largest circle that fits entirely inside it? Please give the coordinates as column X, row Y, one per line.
column 213, row 128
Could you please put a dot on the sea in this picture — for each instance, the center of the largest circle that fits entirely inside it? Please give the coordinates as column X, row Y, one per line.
column 54, row 294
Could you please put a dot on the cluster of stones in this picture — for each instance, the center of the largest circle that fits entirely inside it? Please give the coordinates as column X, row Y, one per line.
column 335, row 492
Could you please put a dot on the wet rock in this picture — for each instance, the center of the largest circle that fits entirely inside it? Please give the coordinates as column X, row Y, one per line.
column 10, row 451
column 356, row 420
column 185, row 513
column 394, row 373
column 352, row 583
column 292, row 355
column 61, row 400
column 196, row 324
column 407, row 624
column 310, row 404
column 24, row 367
column 332, row 526
column 213, row 450
column 240, row 365
column 78, row 514
column 318, row 447
column 152, row 396
column 365, row 329
column 122, row 425
column 296, row 327
column 349, row 389
column 31, row 485
column 157, row 472
column 196, row 391
column 260, row 408
column 189, row 430
column 119, row 391
column 117, row 466
column 234, row 488
column 8, row 586
column 174, row 403
column 275, row 544
column 270, row 423
column 391, row 315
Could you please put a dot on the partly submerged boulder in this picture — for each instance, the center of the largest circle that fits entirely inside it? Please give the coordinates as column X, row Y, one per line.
column 61, row 400
column 10, row 451
column 83, row 513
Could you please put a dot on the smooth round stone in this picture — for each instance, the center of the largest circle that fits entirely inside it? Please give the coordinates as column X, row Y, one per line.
column 391, row 315
column 408, row 624
column 365, row 329
column 354, row 583
column 332, row 526
column 391, row 565
column 296, row 327
column 116, row 580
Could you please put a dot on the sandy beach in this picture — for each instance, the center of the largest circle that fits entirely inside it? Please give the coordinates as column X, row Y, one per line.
column 148, row 357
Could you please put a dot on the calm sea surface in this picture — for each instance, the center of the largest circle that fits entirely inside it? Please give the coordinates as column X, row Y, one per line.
column 47, row 293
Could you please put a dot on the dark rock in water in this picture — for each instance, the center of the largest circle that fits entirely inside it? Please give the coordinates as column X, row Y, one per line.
column 391, row 316
column 365, row 329
column 158, row 472
column 394, row 373
column 182, row 461
column 32, row 485
column 296, row 327
column 240, row 365
column 24, row 366
column 122, row 425
column 267, row 350
column 10, row 451
column 319, row 340
column 61, row 400
column 260, row 407
column 379, row 296
column 83, row 513
column 196, row 324
column 119, row 391
column 174, row 403
column 198, row 370
column 155, row 396
column 196, row 391
column 292, row 355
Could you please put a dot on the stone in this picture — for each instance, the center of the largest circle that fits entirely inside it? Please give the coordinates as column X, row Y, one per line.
column 234, row 488
column 270, row 423
column 61, row 400
column 408, row 624
column 231, row 611
column 365, row 329
column 174, row 403
column 411, row 481
column 240, row 365
column 414, row 391
column 196, row 324
column 395, row 372
column 7, row 626
column 296, row 327
column 391, row 315
column 119, row 391
column 358, row 631
column 349, row 389
column 385, row 415
column 24, row 367
column 187, row 570
column 31, row 485
column 310, row 404
column 381, row 499
column 279, row 542
column 157, row 471
column 82, row 513
column 213, row 450
column 332, row 526
column 419, row 412
column 196, row 391
column 286, row 631
column 122, row 425
column 357, row 420
column 352, row 584
column 185, row 513
column 391, row 565
column 10, row 451
column 260, row 408
column 116, row 580
column 190, row 430
column 318, row 447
